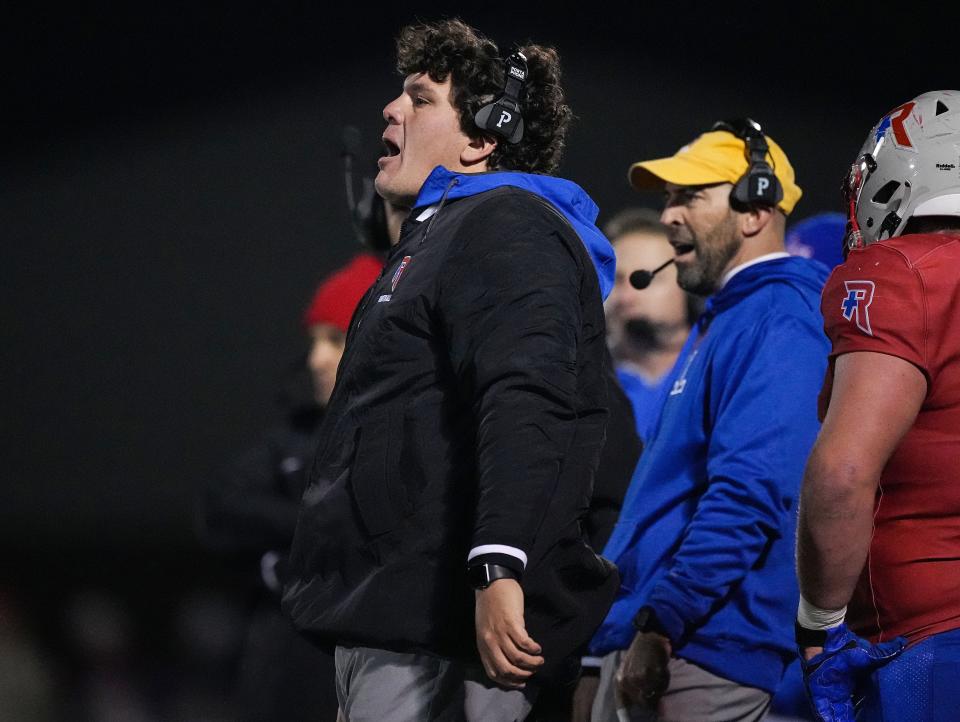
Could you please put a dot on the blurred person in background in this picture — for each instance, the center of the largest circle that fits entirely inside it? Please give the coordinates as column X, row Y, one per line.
column 109, row 678
column 646, row 328
column 819, row 236
column 250, row 512
column 28, row 689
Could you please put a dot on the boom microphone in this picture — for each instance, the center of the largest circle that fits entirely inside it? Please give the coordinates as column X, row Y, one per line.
column 350, row 147
column 641, row 279
column 351, row 140
column 366, row 212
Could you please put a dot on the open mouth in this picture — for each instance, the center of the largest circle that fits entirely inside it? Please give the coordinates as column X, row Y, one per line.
column 391, row 148
column 681, row 249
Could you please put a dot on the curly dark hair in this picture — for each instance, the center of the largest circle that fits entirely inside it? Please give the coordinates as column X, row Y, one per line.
column 451, row 48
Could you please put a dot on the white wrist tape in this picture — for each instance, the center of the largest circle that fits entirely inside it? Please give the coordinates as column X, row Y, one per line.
column 811, row 617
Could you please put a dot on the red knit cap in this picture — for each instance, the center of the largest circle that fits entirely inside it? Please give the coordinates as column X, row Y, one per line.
column 338, row 295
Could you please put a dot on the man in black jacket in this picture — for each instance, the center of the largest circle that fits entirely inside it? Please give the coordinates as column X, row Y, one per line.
column 443, row 515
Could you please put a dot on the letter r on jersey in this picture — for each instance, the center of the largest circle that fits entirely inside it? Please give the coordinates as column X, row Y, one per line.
column 857, row 302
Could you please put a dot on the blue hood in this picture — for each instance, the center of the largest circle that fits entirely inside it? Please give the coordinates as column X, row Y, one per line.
column 567, row 197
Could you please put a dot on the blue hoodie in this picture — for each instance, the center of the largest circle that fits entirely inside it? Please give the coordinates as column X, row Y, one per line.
column 706, row 534
column 566, row 196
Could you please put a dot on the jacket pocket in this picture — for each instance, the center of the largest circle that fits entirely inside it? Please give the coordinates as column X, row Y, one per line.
column 375, row 476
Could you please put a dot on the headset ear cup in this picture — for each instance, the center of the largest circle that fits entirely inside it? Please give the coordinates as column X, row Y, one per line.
column 759, row 185
column 508, row 123
column 483, row 115
column 740, row 195
column 763, row 186
column 517, row 133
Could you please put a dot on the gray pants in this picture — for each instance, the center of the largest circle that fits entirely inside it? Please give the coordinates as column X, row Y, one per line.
column 375, row 685
column 694, row 695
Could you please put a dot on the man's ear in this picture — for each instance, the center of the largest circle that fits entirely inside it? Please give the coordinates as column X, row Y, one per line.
column 755, row 219
column 478, row 150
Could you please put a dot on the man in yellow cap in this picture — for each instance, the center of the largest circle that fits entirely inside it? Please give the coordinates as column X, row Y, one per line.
column 700, row 630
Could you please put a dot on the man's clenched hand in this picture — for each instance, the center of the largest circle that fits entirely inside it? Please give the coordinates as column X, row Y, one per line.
column 643, row 676
column 509, row 655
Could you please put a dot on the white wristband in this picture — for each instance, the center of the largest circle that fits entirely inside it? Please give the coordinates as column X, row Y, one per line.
column 811, row 617
column 498, row 549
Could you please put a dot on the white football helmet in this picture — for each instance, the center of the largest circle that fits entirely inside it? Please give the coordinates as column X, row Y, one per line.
column 909, row 166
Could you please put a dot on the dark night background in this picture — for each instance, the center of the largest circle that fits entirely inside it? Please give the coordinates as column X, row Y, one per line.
column 171, row 190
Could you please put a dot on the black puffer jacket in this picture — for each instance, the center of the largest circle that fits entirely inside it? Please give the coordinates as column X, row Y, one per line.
column 470, row 409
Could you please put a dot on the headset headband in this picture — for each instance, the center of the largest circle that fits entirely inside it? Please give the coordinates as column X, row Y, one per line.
column 502, row 117
column 759, row 185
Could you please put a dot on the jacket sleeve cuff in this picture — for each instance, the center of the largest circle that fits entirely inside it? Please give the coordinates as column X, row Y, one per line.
column 508, row 556
column 671, row 622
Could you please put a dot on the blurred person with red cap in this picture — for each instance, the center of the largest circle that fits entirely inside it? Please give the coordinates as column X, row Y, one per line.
column 327, row 319
column 250, row 512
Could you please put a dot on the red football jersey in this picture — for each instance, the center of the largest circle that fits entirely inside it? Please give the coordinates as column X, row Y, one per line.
column 902, row 297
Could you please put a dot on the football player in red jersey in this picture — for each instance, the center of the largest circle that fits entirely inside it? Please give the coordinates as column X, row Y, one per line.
column 878, row 546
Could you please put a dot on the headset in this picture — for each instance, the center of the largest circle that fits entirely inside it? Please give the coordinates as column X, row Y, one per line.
column 643, row 278
column 759, row 185
column 502, row 117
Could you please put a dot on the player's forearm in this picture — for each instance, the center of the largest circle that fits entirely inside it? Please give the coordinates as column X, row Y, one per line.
column 835, row 527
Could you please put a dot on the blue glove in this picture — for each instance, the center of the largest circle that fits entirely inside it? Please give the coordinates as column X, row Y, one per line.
column 831, row 677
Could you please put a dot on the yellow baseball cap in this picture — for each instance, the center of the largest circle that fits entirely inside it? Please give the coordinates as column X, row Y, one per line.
column 715, row 157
